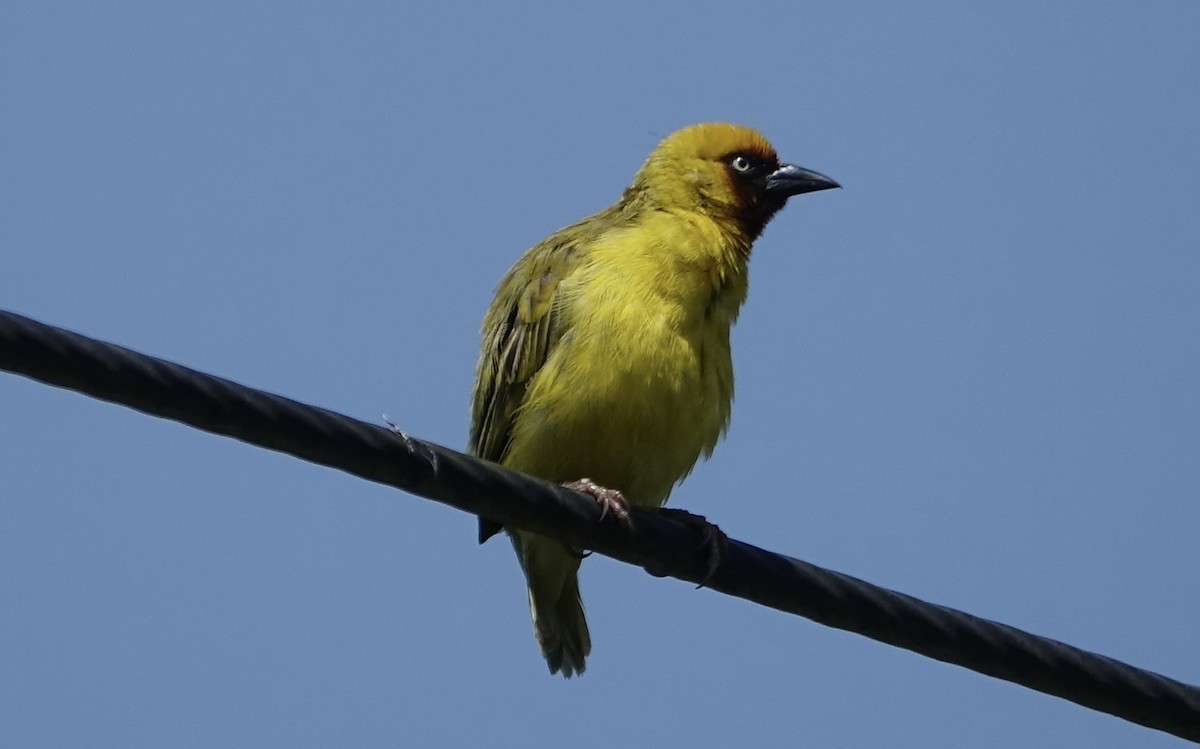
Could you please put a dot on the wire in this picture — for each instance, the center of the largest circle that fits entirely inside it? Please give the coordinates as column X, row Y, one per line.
column 661, row 545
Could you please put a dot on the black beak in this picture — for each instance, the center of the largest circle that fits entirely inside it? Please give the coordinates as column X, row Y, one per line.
column 789, row 180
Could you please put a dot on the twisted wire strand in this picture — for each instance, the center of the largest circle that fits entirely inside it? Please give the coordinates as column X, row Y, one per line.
column 663, row 546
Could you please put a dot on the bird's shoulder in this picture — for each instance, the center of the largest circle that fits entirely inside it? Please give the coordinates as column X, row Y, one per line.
column 522, row 325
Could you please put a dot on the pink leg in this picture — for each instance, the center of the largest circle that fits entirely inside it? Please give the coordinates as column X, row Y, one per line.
column 610, row 500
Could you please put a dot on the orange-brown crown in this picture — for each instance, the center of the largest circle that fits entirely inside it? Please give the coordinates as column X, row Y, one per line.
column 713, row 141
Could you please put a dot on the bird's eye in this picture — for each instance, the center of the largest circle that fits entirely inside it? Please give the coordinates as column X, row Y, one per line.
column 741, row 163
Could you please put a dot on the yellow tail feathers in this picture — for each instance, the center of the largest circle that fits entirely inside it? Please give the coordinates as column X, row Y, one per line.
column 551, row 571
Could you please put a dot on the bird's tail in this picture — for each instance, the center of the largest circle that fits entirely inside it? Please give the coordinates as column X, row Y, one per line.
column 554, row 602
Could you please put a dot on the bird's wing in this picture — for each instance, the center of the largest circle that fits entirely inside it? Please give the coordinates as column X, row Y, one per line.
column 521, row 327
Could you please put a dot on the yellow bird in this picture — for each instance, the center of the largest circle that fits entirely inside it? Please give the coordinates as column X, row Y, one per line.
column 605, row 361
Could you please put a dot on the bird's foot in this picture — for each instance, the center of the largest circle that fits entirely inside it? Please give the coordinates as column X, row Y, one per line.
column 611, row 501
column 712, row 538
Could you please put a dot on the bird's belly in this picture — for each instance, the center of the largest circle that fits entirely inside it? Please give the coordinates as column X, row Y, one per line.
column 631, row 412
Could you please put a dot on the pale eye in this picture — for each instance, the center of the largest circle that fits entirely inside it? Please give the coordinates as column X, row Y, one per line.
column 741, row 164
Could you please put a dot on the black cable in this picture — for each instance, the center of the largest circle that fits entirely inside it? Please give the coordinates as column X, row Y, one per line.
column 58, row 357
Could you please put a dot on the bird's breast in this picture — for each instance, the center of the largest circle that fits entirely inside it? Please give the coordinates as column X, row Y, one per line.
column 638, row 387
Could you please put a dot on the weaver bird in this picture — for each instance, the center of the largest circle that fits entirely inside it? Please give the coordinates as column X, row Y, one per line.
column 605, row 361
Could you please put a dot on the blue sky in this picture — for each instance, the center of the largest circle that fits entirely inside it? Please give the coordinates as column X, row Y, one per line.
column 971, row 375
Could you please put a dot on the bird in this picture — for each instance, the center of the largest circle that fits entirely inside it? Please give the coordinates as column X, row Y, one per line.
column 605, row 362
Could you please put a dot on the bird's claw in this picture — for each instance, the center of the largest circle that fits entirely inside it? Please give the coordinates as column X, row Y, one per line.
column 611, row 501
column 712, row 538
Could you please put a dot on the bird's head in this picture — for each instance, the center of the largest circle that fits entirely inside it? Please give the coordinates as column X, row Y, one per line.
column 728, row 172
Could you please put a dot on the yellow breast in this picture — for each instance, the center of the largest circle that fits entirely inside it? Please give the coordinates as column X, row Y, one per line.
column 641, row 383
